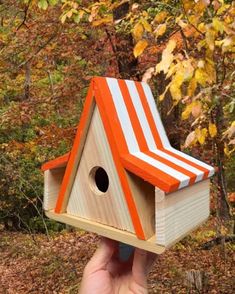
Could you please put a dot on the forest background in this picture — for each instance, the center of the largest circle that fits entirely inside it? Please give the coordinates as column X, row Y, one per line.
column 49, row 51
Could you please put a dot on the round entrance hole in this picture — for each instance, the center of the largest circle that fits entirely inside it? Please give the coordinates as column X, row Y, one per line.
column 99, row 180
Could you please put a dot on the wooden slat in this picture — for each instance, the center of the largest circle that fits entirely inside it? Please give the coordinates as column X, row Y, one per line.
column 56, row 163
column 107, row 231
column 76, row 152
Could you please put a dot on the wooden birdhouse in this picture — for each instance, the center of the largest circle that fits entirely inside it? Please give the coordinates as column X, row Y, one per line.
column 122, row 179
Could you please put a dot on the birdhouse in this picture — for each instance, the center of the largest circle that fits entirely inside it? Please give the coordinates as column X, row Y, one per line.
column 122, row 178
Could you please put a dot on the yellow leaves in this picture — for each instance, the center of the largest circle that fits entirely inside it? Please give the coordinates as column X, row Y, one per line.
column 138, row 31
column 146, row 25
column 226, row 150
column 175, row 87
column 139, row 47
column 43, row 4
column 212, row 130
column 167, row 57
column 201, row 135
column 105, row 20
column 198, row 135
column 186, row 113
column 218, row 25
column 222, row 9
column 201, row 77
column 188, row 5
column 210, row 71
column 139, row 28
column 194, row 108
column 210, row 38
column 190, row 140
column 192, row 87
column 160, row 30
column 69, row 14
column 230, row 131
column 160, row 17
column 201, row 6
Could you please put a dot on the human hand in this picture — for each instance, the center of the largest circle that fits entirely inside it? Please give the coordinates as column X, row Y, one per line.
column 106, row 274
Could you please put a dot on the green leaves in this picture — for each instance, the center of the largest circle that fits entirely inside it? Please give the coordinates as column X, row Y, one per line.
column 43, row 4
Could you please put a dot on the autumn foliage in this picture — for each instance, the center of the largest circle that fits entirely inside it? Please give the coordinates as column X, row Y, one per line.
column 49, row 51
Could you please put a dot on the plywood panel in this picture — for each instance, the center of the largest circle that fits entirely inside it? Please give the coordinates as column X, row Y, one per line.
column 85, row 201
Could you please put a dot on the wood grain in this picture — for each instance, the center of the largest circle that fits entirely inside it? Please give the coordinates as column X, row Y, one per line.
column 180, row 212
column 76, row 152
column 86, row 202
column 107, row 231
column 52, row 182
column 143, row 194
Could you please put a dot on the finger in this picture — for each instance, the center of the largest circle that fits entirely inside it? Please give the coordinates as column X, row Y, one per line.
column 142, row 263
column 102, row 255
column 151, row 258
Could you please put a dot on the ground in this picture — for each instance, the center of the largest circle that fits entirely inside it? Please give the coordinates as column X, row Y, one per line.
column 34, row 264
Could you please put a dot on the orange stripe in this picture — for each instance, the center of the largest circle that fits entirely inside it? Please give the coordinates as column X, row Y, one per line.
column 113, row 128
column 191, row 175
column 133, row 116
column 141, row 139
column 151, row 174
column 56, row 163
column 206, row 171
column 71, row 163
column 156, row 135
column 149, row 116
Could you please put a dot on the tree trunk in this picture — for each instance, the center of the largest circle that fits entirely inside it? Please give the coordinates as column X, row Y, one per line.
column 222, row 204
column 27, row 81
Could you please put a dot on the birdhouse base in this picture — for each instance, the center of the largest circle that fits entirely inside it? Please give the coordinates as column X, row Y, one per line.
column 107, row 231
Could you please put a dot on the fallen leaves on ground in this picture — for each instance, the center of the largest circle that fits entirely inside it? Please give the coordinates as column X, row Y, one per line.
column 56, row 266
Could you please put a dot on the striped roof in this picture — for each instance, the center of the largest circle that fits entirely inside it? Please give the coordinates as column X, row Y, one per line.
column 137, row 140
column 140, row 137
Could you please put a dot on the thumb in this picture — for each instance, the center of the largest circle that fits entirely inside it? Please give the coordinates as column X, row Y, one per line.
column 142, row 264
column 102, row 256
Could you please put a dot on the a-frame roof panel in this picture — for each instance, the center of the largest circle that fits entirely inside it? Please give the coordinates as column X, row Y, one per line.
column 140, row 136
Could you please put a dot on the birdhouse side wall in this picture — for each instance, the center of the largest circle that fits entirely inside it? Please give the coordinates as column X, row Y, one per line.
column 52, row 183
column 178, row 213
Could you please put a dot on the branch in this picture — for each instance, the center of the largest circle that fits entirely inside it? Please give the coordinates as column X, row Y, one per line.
column 39, row 49
column 25, row 16
column 185, row 13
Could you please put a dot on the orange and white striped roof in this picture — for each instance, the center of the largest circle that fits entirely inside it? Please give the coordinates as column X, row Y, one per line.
column 140, row 138
column 142, row 143
column 137, row 140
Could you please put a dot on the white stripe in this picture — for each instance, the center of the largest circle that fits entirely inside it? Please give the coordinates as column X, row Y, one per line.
column 200, row 163
column 123, row 115
column 161, row 130
column 148, row 133
column 141, row 114
column 131, row 138
column 155, row 114
column 180, row 163
column 184, row 180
